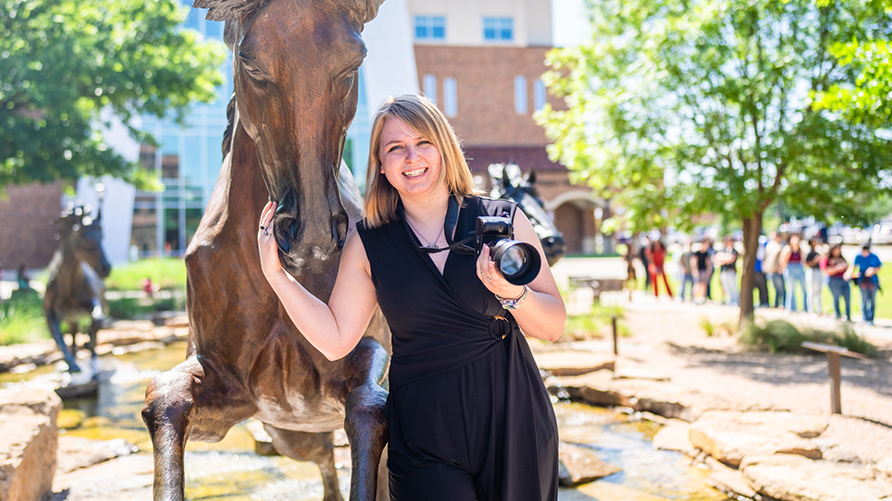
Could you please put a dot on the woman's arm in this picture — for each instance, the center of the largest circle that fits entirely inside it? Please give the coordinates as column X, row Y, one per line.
column 542, row 314
column 334, row 328
column 784, row 258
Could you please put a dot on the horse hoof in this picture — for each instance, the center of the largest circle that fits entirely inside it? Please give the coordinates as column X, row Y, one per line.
column 73, row 367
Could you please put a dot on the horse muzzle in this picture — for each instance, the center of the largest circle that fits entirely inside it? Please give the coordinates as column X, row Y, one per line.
column 309, row 244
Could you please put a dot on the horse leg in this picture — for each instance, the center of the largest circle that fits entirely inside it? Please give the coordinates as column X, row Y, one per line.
column 366, row 423
column 315, row 447
column 72, row 329
column 194, row 401
column 53, row 322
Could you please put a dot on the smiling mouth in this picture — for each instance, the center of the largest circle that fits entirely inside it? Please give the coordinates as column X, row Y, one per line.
column 415, row 173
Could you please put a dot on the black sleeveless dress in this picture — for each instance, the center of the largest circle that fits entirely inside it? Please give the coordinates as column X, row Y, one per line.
column 469, row 417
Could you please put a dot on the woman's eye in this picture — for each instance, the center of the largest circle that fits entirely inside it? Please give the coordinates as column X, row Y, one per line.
column 394, row 148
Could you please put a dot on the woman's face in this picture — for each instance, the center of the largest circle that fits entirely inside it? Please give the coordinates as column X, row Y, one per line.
column 410, row 162
column 794, row 242
column 836, row 252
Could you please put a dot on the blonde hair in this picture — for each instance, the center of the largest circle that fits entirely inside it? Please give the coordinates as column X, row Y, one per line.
column 423, row 116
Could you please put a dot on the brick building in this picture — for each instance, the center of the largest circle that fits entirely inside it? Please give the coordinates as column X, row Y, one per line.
column 27, row 234
column 482, row 64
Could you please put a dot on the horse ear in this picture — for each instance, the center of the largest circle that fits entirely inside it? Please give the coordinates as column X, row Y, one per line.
column 225, row 10
column 495, row 172
column 361, row 11
column 531, row 175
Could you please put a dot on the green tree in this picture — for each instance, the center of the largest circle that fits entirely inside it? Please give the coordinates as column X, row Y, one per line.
column 62, row 62
column 686, row 107
column 868, row 98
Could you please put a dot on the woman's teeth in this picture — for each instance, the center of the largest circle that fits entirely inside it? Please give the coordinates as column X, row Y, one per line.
column 414, row 173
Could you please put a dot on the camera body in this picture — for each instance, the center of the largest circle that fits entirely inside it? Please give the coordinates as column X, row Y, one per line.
column 519, row 262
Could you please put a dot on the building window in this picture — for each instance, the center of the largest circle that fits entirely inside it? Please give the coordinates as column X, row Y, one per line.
column 520, row 94
column 450, row 100
column 539, row 94
column 430, row 28
column 498, row 29
column 430, row 87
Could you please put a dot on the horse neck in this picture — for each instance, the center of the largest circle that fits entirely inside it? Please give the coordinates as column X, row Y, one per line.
column 65, row 267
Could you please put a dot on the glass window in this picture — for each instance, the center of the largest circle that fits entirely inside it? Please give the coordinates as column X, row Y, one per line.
column 430, row 87
column 213, row 29
column 498, row 29
column 430, row 28
column 520, row 94
column 193, row 217
column 142, row 232
column 170, row 156
column 539, row 94
column 171, row 230
column 215, row 157
column 450, row 99
column 192, row 164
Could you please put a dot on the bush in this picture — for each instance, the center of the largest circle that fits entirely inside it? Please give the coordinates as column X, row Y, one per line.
column 780, row 335
column 22, row 320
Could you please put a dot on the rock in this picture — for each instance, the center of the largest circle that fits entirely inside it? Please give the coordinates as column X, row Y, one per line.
column 29, row 353
column 574, row 363
column 788, row 477
column 729, row 436
column 126, row 478
column 28, row 439
column 640, row 373
column 728, row 480
column 76, row 452
column 663, row 408
column 675, row 437
column 580, row 465
column 263, row 443
column 884, row 467
column 586, row 388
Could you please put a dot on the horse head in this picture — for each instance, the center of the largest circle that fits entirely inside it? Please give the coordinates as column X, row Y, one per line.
column 82, row 235
column 510, row 184
column 295, row 67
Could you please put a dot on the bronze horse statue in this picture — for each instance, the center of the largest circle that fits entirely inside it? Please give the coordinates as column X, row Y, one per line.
column 75, row 288
column 295, row 66
column 510, row 184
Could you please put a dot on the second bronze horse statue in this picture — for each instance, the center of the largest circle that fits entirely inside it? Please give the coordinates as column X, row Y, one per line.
column 295, row 66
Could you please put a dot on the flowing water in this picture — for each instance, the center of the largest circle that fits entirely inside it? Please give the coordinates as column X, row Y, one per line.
column 230, row 470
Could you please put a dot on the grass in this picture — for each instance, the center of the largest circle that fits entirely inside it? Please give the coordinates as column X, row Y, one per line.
column 594, row 325
column 166, row 273
column 22, row 320
column 782, row 336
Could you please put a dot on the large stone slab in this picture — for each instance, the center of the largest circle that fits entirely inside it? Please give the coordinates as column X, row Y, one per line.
column 574, row 363
column 729, row 436
column 29, row 353
column 728, row 480
column 76, row 452
column 591, row 389
column 126, row 478
column 28, row 440
column 580, row 465
column 675, row 436
column 788, row 477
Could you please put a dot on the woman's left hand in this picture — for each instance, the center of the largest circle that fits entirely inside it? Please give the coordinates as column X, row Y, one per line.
column 492, row 278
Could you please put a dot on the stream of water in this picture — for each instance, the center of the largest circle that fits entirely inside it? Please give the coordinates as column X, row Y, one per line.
column 230, row 470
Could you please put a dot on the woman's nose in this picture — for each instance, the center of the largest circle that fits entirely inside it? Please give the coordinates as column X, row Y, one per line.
column 412, row 155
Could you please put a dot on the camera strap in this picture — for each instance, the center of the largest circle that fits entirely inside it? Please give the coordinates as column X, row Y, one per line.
column 449, row 223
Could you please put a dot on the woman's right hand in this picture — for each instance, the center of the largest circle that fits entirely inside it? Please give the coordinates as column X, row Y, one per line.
column 266, row 243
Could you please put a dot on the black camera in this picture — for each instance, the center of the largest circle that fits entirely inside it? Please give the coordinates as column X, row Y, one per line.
column 519, row 262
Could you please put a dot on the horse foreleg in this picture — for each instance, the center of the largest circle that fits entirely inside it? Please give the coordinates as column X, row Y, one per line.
column 366, row 423
column 189, row 401
column 53, row 322
column 315, row 447
column 72, row 329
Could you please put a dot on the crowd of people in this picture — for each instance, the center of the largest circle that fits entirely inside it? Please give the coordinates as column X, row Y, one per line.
column 783, row 261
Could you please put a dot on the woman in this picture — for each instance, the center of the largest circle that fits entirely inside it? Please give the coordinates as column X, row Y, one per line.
column 657, row 260
column 814, row 277
column 835, row 267
column 791, row 266
column 468, row 415
column 701, row 265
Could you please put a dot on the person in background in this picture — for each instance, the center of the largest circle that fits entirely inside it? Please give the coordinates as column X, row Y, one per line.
column 657, row 256
column 726, row 259
column 710, row 251
column 760, row 281
column 770, row 266
column 814, row 277
column 701, row 265
column 23, row 279
column 868, row 265
column 687, row 272
column 836, row 267
column 645, row 260
column 790, row 265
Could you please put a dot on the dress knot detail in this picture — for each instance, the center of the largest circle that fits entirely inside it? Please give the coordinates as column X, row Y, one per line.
column 500, row 327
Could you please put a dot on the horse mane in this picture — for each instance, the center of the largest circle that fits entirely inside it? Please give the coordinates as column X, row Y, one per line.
column 230, row 126
column 359, row 11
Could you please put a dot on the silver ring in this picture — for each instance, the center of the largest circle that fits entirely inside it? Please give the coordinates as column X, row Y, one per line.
column 489, row 279
column 265, row 232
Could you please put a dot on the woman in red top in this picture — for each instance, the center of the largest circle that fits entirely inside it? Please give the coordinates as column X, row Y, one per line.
column 657, row 257
column 835, row 267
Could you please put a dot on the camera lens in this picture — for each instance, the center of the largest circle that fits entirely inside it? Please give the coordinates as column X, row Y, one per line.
column 519, row 262
column 512, row 261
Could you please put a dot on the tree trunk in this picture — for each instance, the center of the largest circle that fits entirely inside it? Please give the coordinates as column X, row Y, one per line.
column 752, row 228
